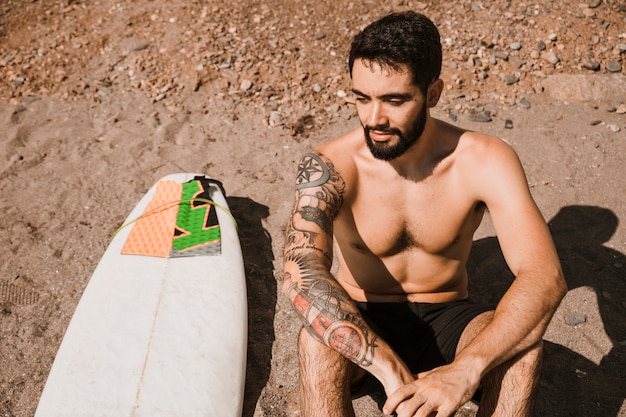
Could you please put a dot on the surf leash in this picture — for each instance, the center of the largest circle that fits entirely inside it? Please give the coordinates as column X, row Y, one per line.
column 174, row 203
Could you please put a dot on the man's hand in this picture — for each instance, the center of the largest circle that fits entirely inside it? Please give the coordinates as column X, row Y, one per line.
column 439, row 392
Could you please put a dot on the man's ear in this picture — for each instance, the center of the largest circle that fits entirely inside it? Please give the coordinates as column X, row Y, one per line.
column 434, row 92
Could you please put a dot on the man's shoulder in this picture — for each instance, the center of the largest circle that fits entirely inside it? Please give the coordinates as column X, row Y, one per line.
column 350, row 141
column 477, row 146
column 342, row 151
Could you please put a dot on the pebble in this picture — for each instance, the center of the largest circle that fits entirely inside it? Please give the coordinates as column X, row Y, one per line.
column 595, row 122
column 138, row 45
column 516, row 46
column 245, row 85
column 613, row 66
column 275, row 118
column 594, row 3
column 541, row 46
column 481, row 116
column 614, row 128
column 518, row 63
column 550, row 57
column 17, row 82
column 621, row 47
column 511, row 79
column 501, row 55
column 576, row 318
column 591, row 64
column 508, row 124
column 524, row 103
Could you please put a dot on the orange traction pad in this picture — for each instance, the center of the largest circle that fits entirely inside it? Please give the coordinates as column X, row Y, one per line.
column 152, row 234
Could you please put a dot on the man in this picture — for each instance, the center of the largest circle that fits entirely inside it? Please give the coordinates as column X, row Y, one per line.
column 402, row 197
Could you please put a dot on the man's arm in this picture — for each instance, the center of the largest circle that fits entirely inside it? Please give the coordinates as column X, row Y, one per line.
column 326, row 310
column 524, row 312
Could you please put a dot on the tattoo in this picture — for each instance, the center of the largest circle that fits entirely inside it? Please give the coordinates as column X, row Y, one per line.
column 332, row 318
column 325, row 308
column 319, row 196
column 312, row 171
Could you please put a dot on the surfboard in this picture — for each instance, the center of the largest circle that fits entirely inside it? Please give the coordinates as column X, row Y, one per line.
column 159, row 334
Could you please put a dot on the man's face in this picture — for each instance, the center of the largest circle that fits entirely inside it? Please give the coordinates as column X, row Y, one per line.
column 391, row 108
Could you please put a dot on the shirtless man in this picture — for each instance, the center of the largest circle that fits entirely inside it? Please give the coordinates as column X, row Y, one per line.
column 402, row 196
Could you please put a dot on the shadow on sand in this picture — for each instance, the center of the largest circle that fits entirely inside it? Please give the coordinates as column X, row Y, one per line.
column 572, row 385
column 256, row 245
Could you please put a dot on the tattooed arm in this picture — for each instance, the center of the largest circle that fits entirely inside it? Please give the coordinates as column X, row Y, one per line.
column 327, row 311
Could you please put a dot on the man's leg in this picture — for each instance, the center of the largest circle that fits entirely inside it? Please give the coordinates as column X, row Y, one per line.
column 509, row 389
column 325, row 377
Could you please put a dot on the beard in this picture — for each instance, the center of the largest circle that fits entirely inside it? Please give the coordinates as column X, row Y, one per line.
column 388, row 152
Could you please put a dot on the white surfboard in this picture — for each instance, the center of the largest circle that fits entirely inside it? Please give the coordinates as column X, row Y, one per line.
column 156, row 336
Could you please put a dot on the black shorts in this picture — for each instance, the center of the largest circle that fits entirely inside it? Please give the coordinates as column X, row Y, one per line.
column 424, row 335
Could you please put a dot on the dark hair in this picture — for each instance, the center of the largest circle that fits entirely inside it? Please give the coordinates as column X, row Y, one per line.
column 401, row 40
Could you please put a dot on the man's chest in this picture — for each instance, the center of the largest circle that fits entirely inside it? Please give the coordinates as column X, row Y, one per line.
column 428, row 217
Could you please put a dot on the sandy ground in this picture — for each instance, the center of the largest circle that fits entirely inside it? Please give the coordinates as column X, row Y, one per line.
column 81, row 140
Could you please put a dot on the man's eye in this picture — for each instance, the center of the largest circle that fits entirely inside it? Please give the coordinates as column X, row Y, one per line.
column 396, row 102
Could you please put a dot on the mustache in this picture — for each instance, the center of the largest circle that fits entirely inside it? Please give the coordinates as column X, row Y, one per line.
column 382, row 129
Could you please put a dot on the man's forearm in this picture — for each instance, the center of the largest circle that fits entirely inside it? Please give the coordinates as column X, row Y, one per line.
column 519, row 322
column 333, row 319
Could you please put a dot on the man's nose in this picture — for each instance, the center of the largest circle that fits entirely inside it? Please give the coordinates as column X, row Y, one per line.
column 376, row 115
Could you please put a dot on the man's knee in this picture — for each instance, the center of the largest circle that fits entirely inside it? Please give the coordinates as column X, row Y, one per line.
column 318, row 361
column 521, row 370
column 309, row 347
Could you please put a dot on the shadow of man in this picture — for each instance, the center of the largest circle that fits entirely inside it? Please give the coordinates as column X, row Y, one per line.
column 256, row 246
column 572, row 384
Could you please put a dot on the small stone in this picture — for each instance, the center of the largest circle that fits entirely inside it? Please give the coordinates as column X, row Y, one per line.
column 576, row 318
column 511, row 79
column 501, row 55
column 550, row 57
column 319, row 36
column 553, row 37
column 482, row 116
column 275, row 118
column 613, row 66
column 105, row 91
column 135, row 45
column 621, row 47
column 541, row 46
column 591, row 64
column 508, row 124
column 17, row 82
column 595, row 122
column 524, row 103
column 614, row 128
column 594, row 3
column 621, row 109
column 516, row 46
column 518, row 63
column 245, row 85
